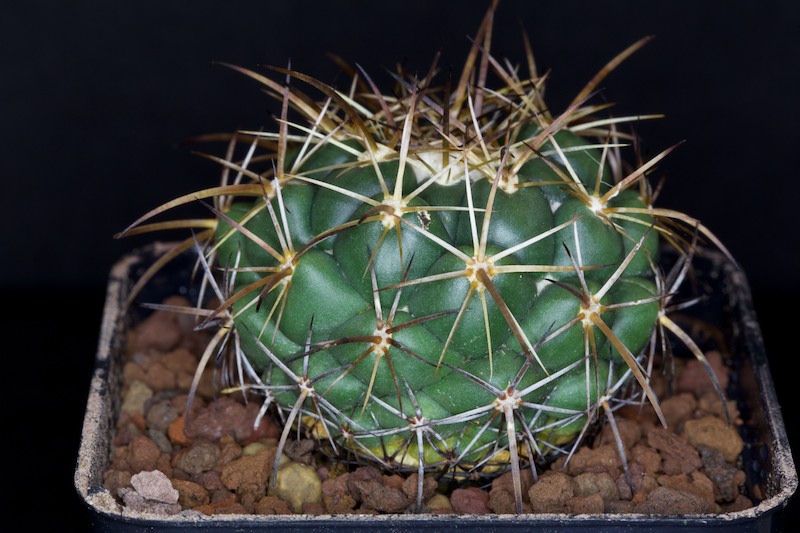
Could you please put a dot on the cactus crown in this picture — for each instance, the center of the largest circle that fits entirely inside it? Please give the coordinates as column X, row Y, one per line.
column 445, row 277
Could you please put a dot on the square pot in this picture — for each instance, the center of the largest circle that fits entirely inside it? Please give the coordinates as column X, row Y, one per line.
column 769, row 466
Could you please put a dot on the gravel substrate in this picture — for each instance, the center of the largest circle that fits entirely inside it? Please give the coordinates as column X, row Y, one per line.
column 218, row 463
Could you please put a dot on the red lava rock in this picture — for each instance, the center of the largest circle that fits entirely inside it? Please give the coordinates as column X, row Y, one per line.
column 211, row 480
column 143, row 454
column 501, row 495
column 470, row 500
column 222, row 502
column 230, row 450
column 270, row 505
column 604, row 458
column 215, row 505
column 190, row 494
column 222, row 497
column 410, row 487
column 551, row 493
column 199, row 457
column 336, row 495
column 227, row 416
column 646, row 457
column 503, row 502
column 176, row 431
column 666, row 501
column 714, row 432
column 249, row 471
column 600, row 483
column 375, row 495
column 589, row 504
column 677, row 455
column 394, row 481
column 362, row 473
column 695, row 483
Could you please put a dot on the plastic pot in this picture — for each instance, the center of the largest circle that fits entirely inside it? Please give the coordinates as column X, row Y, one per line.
column 768, row 463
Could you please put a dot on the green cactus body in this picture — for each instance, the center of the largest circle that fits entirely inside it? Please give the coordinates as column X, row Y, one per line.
column 401, row 313
column 440, row 278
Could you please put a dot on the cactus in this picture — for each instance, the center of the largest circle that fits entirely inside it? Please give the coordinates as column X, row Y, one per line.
column 446, row 277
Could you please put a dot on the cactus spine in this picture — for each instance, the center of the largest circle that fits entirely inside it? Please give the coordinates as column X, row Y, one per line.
column 444, row 278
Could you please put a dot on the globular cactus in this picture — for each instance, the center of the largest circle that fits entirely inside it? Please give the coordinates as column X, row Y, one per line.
column 447, row 277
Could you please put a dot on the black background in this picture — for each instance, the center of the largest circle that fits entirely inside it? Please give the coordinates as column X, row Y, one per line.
column 96, row 97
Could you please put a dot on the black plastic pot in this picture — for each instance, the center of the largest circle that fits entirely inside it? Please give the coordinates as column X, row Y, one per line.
column 771, row 473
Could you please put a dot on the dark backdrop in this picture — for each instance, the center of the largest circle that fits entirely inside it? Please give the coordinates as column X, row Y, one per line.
column 96, row 97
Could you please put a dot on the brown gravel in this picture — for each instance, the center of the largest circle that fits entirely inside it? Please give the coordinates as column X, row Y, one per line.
column 218, row 463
